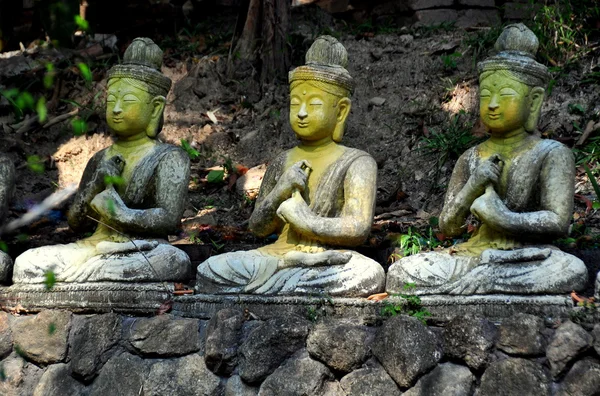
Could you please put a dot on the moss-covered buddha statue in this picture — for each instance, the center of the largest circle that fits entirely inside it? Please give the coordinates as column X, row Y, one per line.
column 131, row 195
column 518, row 185
column 319, row 197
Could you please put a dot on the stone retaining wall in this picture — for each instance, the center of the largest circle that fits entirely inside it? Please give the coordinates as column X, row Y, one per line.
column 56, row 352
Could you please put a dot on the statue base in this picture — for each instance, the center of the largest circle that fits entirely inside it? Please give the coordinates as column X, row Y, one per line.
column 147, row 298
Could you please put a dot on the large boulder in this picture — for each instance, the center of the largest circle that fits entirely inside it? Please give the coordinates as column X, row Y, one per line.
column 269, row 344
column 596, row 335
column 582, row 380
column 514, row 377
column 406, row 348
column 341, row 346
column 223, row 336
column 92, row 340
column 522, row 334
column 42, row 338
column 57, row 381
column 183, row 376
column 570, row 341
column 236, row 387
column 164, row 335
column 470, row 338
column 298, row 376
column 6, row 340
column 122, row 375
column 445, row 379
column 20, row 377
column 371, row 380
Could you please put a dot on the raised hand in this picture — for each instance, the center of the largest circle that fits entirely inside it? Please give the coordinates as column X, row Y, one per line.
column 294, row 179
column 488, row 172
column 112, row 167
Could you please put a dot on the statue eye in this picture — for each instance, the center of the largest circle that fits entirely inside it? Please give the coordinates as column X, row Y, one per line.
column 316, row 102
column 294, row 102
column 130, row 98
column 485, row 93
column 508, row 92
column 111, row 98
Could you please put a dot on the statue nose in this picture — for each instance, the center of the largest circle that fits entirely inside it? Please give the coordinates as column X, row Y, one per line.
column 302, row 114
column 117, row 109
column 493, row 105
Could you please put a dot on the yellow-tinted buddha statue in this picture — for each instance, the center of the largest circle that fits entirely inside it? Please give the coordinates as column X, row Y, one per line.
column 319, row 197
column 519, row 186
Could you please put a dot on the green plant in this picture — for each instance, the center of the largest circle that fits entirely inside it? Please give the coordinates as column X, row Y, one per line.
column 482, row 41
column 191, row 152
column 449, row 61
column 409, row 304
column 410, row 243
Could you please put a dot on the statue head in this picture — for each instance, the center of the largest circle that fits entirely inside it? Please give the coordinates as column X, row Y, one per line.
column 320, row 92
column 137, row 91
column 511, row 83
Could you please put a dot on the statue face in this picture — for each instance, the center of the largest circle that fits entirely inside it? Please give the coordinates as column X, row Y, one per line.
column 313, row 112
column 504, row 103
column 128, row 109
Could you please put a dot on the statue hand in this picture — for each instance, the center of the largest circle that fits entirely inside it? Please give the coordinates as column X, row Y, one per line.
column 488, row 206
column 294, row 211
column 295, row 178
column 110, row 168
column 487, row 172
column 107, row 204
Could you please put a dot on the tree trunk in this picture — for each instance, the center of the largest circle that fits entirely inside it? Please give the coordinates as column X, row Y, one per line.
column 263, row 41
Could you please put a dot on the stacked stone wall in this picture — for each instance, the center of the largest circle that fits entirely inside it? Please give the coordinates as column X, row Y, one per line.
column 56, row 352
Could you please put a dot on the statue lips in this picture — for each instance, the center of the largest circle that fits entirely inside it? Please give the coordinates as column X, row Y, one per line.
column 117, row 120
column 303, row 124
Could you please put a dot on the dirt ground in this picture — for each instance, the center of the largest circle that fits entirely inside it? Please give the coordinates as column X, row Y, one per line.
column 426, row 89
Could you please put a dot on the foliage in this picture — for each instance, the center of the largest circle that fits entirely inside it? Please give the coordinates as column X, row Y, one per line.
column 482, row 41
column 409, row 305
column 413, row 242
column 449, row 61
column 452, row 141
column 191, row 152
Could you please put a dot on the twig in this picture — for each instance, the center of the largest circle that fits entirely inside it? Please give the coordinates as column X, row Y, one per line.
column 61, row 118
column 26, row 125
column 589, row 128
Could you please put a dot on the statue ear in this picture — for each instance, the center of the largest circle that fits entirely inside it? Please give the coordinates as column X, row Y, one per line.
column 535, row 108
column 156, row 118
column 343, row 109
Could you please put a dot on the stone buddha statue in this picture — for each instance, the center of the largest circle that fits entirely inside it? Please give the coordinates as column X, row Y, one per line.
column 131, row 195
column 518, row 185
column 7, row 188
column 318, row 196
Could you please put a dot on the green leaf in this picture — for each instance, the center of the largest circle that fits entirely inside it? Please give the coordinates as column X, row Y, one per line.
column 111, row 207
column 115, row 180
column 25, row 101
column 79, row 126
column 215, row 176
column 41, row 109
column 187, row 147
column 50, row 279
column 51, row 328
column 575, row 108
column 3, row 246
column 85, row 71
column 81, row 23
column 596, row 205
column 35, row 164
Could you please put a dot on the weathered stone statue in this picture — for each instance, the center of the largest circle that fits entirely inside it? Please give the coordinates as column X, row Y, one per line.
column 132, row 194
column 7, row 188
column 519, row 186
column 319, row 197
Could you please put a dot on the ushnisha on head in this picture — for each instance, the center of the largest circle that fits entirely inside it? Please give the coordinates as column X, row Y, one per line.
column 320, row 92
column 137, row 91
column 514, row 65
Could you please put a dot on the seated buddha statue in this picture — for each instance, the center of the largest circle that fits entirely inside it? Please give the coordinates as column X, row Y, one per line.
column 318, row 196
column 7, row 187
column 518, row 185
column 131, row 195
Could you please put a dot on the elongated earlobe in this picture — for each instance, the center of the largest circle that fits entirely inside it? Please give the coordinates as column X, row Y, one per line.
column 535, row 108
column 343, row 109
column 156, row 121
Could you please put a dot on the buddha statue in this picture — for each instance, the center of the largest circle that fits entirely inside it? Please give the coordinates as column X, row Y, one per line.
column 518, row 185
column 318, row 196
column 131, row 195
column 7, row 188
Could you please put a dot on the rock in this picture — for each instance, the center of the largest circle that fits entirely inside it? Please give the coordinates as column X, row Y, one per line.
column 424, row 4
column 472, row 18
column 435, row 17
column 269, row 344
column 298, row 376
column 333, row 6
column 122, row 375
column 522, row 334
column 164, row 335
column 376, row 101
column 236, row 387
column 582, row 380
column 570, row 340
column 470, row 338
column 514, row 377
column 445, row 379
column 6, row 340
column 478, row 3
column 406, row 348
column 43, row 338
column 20, row 377
column 57, row 381
column 341, row 346
column 222, row 341
column 596, row 335
column 92, row 340
column 372, row 380
column 518, row 10
column 249, row 183
column 183, row 376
